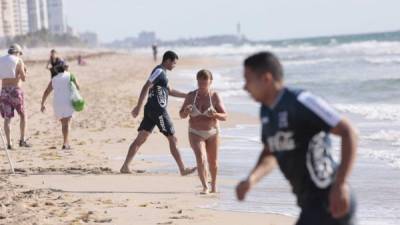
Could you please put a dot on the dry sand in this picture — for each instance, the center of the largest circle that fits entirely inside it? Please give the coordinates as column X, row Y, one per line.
column 83, row 186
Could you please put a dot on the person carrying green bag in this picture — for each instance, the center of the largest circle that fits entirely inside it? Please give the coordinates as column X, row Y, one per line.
column 66, row 98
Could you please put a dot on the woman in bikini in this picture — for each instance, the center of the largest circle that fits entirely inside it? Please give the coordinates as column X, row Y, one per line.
column 204, row 108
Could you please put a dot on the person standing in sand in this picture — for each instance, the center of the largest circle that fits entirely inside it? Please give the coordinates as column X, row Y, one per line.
column 155, row 112
column 295, row 132
column 155, row 51
column 61, row 84
column 53, row 61
column 204, row 108
column 13, row 73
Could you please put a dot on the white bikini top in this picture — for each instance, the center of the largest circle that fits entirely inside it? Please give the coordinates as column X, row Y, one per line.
column 196, row 112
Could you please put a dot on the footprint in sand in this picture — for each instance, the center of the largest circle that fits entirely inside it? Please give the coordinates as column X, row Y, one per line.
column 165, row 223
column 181, row 217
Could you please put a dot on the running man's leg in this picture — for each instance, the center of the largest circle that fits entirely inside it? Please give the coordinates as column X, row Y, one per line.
column 198, row 147
column 165, row 125
column 145, row 128
column 173, row 142
column 212, row 144
column 133, row 149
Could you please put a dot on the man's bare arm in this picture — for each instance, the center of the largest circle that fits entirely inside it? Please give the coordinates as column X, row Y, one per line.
column 176, row 93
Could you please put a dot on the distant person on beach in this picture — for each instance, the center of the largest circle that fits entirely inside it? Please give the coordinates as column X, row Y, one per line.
column 53, row 61
column 155, row 51
column 205, row 108
column 295, row 132
column 63, row 109
column 81, row 61
column 13, row 73
column 155, row 112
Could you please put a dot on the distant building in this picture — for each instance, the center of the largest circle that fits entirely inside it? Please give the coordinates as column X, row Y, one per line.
column 57, row 23
column 21, row 22
column 37, row 15
column 7, row 17
column 89, row 38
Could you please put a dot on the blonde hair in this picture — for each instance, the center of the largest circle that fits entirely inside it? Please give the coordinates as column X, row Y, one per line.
column 204, row 75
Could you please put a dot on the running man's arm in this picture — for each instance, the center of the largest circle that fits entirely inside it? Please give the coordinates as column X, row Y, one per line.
column 45, row 95
column 220, row 113
column 265, row 164
column 349, row 149
column 143, row 94
column 176, row 93
column 339, row 196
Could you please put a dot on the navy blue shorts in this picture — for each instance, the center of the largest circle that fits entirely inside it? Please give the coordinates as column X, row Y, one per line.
column 161, row 119
column 318, row 213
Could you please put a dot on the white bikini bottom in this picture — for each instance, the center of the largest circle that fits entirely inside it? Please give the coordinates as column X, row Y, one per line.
column 205, row 134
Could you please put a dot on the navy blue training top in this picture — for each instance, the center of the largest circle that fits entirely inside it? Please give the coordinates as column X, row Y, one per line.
column 158, row 94
column 296, row 130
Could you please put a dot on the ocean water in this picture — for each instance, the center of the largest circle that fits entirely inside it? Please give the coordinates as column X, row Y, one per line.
column 358, row 74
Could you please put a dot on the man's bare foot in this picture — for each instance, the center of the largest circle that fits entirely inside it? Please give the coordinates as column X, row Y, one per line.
column 214, row 190
column 205, row 191
column 188, row 171
column 125, row 169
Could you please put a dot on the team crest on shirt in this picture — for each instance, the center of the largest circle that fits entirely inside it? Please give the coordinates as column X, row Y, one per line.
column 283, row 119
column 265, row 120
column 281, row 141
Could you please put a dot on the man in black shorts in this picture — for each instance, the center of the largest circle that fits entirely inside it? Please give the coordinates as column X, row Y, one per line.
column 155, row 112
column 295, row 132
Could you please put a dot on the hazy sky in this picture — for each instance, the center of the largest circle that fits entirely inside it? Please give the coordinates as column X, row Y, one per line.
column 260, row 19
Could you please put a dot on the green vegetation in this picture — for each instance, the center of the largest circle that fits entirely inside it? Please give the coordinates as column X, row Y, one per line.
column 45, row 38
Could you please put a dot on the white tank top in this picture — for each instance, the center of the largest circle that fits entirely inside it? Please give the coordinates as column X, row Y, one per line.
column 62, row 89
column 8, row 66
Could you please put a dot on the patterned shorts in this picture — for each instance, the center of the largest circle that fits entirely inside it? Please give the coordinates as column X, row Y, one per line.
column 12, row 98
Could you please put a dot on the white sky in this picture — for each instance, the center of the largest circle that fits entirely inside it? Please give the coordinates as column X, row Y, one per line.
column 260, row 19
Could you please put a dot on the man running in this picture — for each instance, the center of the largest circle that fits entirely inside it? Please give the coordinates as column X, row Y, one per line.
column 295, row 133
column 155, row 112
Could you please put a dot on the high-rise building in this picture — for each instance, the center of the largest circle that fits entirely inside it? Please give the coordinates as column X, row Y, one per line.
column 57, row 23
column 38, row 15
column 21, row 23
column 7, row 17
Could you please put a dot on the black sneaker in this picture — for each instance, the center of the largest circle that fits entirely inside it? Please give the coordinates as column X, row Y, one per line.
column 24, row 143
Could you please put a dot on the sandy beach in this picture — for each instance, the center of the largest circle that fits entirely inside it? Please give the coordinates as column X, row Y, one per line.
column 83, row 185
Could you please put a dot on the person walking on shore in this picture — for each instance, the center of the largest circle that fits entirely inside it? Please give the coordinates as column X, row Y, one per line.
column 53, row 61
column 155, row 112
column 204, row 108
column 61, row 84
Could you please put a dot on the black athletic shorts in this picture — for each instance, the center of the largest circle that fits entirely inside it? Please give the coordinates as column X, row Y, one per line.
column 160, row 118
column 318, row 213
